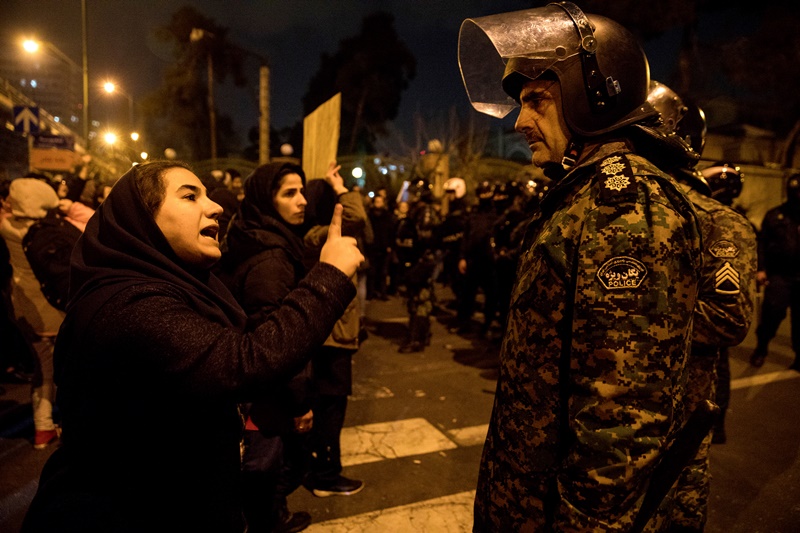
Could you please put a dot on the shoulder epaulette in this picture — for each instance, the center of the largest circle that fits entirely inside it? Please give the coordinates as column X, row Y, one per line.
column 615, row 179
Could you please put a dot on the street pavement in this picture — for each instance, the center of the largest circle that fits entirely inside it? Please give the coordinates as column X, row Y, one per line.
column 415, row 427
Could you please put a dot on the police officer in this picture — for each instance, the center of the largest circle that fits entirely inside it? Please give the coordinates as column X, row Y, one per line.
column 592, row 363
column 417, row 247
column 724, row 309
column 451, row 234
column 779, row 272
column 509, row 204
column 725, row 182
column 475, row 262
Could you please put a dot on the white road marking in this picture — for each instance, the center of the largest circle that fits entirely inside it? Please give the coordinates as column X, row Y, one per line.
column 389, row 440
column 763, row 379
column 448, row 514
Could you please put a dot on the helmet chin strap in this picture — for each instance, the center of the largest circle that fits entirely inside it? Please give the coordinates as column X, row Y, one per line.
column 571, row 154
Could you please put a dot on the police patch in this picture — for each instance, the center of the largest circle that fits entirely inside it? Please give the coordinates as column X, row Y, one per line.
column 724, row 249
column 622, row 273
column 726, row 280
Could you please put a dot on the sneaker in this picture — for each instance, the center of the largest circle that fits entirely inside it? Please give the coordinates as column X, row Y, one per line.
column 341, row 487
column 294, row 522
column 43, row 438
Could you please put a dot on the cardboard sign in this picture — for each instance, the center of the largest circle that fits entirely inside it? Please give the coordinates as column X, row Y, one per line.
column 321, row 137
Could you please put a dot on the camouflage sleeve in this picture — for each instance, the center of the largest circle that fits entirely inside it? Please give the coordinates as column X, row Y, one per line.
column 724, row 309
column 634, row 292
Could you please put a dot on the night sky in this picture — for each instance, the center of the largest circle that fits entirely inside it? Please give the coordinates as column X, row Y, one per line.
column 292, row 34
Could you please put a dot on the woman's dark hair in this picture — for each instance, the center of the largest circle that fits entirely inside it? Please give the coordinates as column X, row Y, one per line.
column 149, row 179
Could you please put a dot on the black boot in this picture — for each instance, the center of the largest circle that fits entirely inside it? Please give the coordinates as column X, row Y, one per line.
column 758, row 357
column 417, row 335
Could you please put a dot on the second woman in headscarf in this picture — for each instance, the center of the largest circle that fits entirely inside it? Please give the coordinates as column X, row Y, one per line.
column 262, row 262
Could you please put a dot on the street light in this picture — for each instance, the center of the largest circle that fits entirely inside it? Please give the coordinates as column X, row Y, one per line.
column 110, row 87
column 32, row 46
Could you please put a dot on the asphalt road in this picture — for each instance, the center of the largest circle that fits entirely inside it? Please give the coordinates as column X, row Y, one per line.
column 415, row 427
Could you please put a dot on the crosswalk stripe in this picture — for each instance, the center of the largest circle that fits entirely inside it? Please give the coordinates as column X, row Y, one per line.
column 763, row 379
column 471, row 436
column 389, row 440
column 448, row 514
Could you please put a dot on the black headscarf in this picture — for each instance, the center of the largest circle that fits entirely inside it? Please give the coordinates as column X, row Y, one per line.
column 123, row 246
column 257, row 225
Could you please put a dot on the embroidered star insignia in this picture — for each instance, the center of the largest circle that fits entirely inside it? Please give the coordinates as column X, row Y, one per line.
column 617, row 183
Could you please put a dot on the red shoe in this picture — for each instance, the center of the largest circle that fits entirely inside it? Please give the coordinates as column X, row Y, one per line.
column 43, row 438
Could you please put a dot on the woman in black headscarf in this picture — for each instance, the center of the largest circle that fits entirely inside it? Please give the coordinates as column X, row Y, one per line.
column 262, row 261
column 152, row 339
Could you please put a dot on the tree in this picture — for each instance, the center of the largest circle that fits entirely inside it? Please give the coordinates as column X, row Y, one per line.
column 178, row 111
column 371, row 70
column 745, row 52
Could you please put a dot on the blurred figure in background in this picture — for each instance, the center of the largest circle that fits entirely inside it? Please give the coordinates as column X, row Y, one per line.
column 451, row 236
column 779, row 272
column 417, row 247
column 379, row 251
column 229, row 198
column 31, row 199
column 476, row 262
column 399, row 213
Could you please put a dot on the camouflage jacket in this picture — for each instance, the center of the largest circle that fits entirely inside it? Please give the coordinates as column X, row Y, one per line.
column 722, row 317
column 592, row 364
column 728, row 277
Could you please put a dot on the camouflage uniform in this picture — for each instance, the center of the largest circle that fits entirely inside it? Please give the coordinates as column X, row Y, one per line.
column 592, row 364
column 722, row 318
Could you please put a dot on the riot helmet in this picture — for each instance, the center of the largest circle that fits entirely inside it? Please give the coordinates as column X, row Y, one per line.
column 485, row 189
column 603, row 71
column 683, row 118
column 793, row 189
column 504, row 194
column 725, row 182
column 668, row 104
column 456, row 186
column 692, row 128
column 676, row 152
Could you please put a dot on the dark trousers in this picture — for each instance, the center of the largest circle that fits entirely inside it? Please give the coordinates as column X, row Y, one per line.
column 480, row 275
column 723, row 393
column 376, row 276
column 782, row 293
column 326, row 462
column 272, row 468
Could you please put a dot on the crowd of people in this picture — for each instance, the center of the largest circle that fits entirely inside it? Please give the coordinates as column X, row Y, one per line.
column 207, row 326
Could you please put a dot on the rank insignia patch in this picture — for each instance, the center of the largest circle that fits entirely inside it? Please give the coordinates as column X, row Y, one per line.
column 726, row 280
column 615, row 177
column 622, row 273
column 724, row 249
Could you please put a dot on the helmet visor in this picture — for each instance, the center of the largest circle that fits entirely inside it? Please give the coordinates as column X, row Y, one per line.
column 526, row 42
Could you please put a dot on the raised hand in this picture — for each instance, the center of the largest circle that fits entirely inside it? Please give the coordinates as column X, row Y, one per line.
column 340, row 252
column 335, row 179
